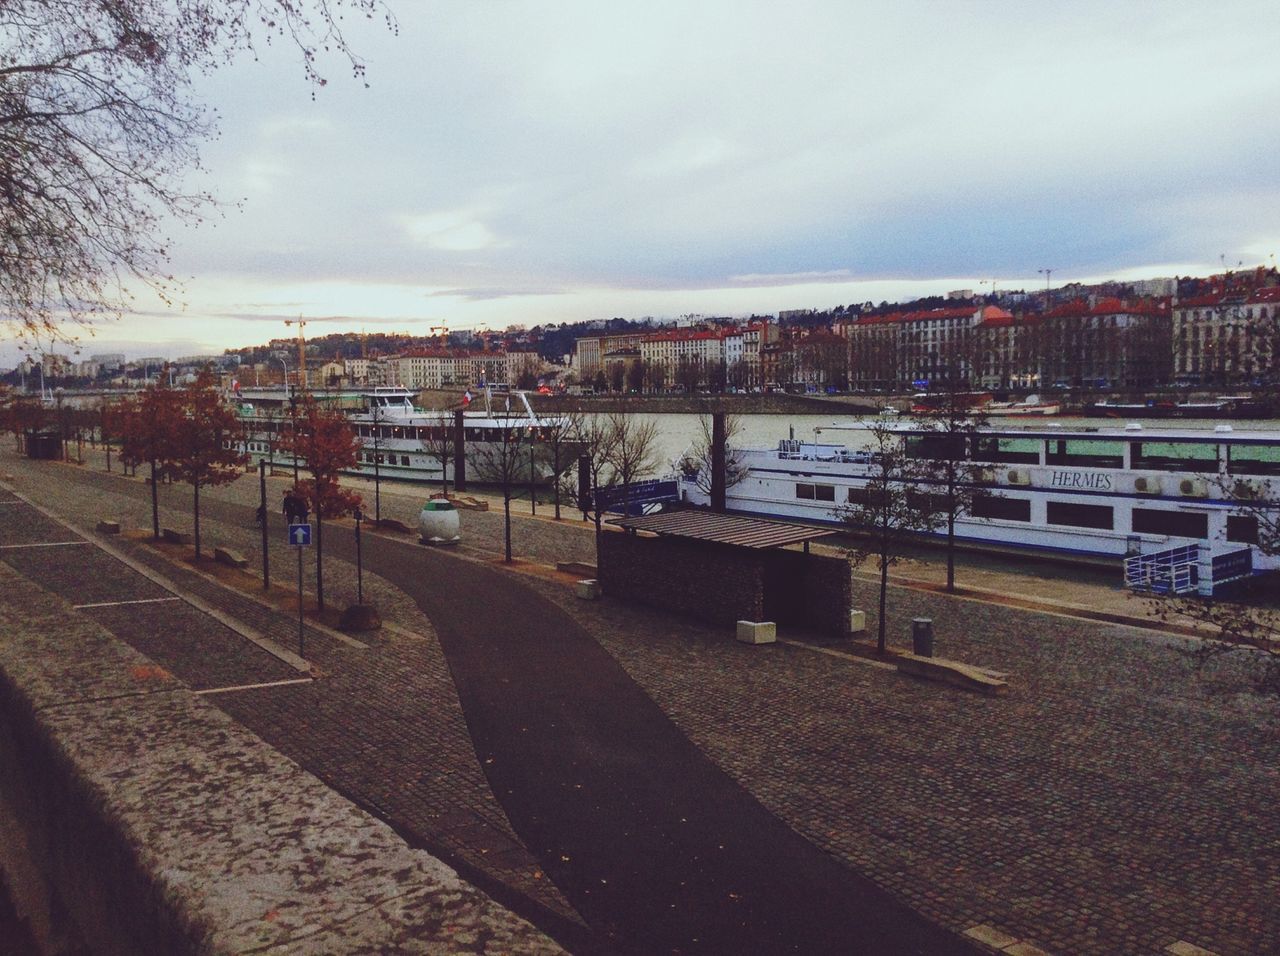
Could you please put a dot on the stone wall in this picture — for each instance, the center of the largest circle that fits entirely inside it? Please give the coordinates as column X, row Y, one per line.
column 810, row 590
column 157, row 824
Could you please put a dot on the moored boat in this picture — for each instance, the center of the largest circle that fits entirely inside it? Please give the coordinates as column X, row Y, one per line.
column 1102, row 493
column 399, row 440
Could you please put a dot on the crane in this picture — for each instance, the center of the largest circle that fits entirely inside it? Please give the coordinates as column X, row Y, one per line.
column 301, row 323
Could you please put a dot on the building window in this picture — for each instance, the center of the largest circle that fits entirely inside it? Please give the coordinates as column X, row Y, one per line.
column 1080, row 516
column 1181, row 524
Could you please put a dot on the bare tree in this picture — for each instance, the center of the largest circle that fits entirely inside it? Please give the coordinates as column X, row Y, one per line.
column 437, row 441
column 953, row 425
column 696, row 462
column 883, row 513
column 98, row 130
column 501, row 459
column 597, row 436
column 1247, row 625
column 633, row 451
column 561, row 434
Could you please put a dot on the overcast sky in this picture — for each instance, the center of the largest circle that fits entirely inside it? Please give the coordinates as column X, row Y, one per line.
column 530, row 162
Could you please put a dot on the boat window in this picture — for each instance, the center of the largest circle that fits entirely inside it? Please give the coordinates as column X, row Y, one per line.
column 1242, row 528
column 1254, row 459
column 1182, row 524
column 1014, row 451
column 936, row 447
column 1175, row 456
column 812, row 492
column 404, row 460
column 930, row 503
column 1080, row 516
column 1085, row 453
column 1002, row 507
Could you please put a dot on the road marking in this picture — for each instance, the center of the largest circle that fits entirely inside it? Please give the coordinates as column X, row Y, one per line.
column 81, row 607
column 40, row 544
column 236, row 687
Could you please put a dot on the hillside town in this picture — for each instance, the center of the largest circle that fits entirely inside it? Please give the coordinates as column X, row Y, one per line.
column 1214, row 332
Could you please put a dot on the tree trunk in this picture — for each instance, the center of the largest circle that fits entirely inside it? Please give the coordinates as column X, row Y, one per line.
column 951, row 549
column 155, row 501
column 506, row 520
column 884, row 590
column 319, row 558
column 196, row 508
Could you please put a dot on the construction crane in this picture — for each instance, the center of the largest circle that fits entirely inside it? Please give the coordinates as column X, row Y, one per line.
column 301, row 323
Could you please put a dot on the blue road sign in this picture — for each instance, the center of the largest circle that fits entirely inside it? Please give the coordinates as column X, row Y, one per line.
column 300, row 534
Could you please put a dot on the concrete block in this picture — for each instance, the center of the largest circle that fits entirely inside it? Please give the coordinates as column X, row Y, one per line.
column 857, row 622
column 588, row 590
column 173, row 536
column 1024, row 949
column 232, row 558
column 960, row 675
column 1183, row 948
column 990, row 935
column 757, row 632
column 108, row 527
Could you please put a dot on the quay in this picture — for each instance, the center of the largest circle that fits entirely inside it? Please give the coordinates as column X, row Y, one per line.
column 611, row 778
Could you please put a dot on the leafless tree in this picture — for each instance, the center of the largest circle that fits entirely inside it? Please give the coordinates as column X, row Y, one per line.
column 99, row 131
column 696, row 462
column 884, row 514
column 502, row 460
column 560, row 433
column 633, row 451
column 436, row 438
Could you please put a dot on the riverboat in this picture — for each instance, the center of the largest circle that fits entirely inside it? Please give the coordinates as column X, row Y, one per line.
column 1135, row 493
column 1224, row 406
column 1031, row 405
column 400, row 440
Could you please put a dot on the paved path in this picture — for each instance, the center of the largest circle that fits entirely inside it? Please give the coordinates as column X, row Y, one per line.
column 640, row 830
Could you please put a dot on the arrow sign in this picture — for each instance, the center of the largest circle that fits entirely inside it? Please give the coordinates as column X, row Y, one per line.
column 300, row 535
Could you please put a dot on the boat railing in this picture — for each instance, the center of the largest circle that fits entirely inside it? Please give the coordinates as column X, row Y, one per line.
column 1172, row 571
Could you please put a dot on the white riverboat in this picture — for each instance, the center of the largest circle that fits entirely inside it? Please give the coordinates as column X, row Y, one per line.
column 1153, row 496
column 400, row 440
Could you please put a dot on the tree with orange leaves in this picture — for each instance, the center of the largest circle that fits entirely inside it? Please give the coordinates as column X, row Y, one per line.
column 148, row 426
column 208, row 442
column 325, row 440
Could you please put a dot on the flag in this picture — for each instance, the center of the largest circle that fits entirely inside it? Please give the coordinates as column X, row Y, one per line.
column 466, row 398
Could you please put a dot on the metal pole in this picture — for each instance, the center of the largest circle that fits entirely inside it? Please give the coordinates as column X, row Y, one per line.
column 359, row 561
column 533, row 492
column 262, row 493
column 300, row 651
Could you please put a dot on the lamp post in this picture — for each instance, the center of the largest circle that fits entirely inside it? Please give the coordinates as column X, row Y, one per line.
column 359, row 516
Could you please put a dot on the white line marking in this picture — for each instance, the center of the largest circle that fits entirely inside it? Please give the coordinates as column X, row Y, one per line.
column 80, row 607
column 274, row 683
column 40, row 544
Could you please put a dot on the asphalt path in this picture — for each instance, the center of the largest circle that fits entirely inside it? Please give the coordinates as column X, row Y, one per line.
column 649, row 840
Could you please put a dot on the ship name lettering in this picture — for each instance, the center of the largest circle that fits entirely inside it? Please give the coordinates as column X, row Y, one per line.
column 1081, row 479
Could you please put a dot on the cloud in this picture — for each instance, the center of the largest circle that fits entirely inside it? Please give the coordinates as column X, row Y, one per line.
column 455, row 230
column 280, row 318
column 791, row 278
column 484, row 295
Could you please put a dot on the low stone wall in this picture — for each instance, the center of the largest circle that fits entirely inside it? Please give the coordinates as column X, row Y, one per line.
column 157, row 824
column 712, row 583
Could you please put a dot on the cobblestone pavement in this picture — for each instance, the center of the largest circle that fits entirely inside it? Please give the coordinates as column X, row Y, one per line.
column 382, row 725
column 1113, row 802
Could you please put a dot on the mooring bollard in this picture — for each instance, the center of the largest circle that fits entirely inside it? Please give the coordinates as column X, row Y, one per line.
column 922, row 636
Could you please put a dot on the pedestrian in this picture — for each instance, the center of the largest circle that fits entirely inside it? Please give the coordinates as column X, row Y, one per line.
column 290, row 506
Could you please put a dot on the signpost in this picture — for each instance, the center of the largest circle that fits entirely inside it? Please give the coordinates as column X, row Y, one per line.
column 300, row 537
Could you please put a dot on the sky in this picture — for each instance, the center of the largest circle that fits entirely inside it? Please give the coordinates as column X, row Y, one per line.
column 520, row 162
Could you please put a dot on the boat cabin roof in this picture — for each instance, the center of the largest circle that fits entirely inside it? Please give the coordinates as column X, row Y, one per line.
column 1221, row 434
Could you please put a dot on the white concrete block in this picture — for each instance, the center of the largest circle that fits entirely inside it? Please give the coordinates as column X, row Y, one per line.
column 588, row 590
column 857, row 621
column 757, row 632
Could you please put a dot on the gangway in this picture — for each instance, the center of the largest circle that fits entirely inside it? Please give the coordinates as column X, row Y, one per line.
column 1187, row 569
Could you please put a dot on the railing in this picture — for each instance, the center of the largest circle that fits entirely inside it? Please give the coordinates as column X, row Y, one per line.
column 1175, row 571
column 1188, row 568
